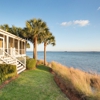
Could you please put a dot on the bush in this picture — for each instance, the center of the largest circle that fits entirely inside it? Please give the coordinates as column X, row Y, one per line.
column 41, row 62
column 5, row 70
column 30, row 64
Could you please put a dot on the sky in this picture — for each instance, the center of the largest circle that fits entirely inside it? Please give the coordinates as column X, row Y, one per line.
column 74, row 23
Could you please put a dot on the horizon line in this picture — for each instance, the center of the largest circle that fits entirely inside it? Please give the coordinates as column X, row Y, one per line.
column 63, row 51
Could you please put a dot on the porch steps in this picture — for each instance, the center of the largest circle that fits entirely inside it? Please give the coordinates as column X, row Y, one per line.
column 19, row 67
column 22, row 69
column 9, row 60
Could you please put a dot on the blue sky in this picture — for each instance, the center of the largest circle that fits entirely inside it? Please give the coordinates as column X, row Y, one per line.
column 74, row 23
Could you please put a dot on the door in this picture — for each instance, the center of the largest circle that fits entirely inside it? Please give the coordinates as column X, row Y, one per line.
column 1, row 46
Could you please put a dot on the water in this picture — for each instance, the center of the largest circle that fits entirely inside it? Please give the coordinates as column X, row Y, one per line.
column 87, row 61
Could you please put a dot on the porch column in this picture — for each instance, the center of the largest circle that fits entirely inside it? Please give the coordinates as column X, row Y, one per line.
column 24, row 47
column 7, row 44
column 18, row 47
column 4, row 41
column 4, row 44
column 13, row 46
column 21, row 47
column 13, row 42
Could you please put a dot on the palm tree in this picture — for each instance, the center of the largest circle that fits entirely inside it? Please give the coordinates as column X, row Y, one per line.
column 5, row 27
column 35, row 28
column 15, row 30
column 23, row 33
column 47, row 39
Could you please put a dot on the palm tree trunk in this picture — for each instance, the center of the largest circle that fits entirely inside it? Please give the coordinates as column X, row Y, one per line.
column 35, row 48
column 45, row 53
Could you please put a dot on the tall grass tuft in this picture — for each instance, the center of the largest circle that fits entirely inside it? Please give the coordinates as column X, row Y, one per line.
column 84, row 84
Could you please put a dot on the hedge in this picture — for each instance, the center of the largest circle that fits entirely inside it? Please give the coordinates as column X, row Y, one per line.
column 5, row 70
column 30, row 64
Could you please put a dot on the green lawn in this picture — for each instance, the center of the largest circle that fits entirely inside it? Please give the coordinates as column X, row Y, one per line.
column 33, row 85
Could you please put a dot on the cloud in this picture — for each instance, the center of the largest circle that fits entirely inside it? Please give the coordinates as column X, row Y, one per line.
column 66, row 23
column 76, row 22
column 81, row 22
column 98, row 8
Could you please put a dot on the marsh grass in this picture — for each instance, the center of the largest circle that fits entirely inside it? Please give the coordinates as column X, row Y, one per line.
column 41, row 62
column 82, row 83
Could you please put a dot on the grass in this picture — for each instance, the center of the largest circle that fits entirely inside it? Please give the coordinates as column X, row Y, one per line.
column 82, row 83
column 35, row 84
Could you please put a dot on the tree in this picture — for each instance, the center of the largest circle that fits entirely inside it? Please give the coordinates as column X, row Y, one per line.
column 35, row 29
column 5, row 27
column 24, row 33
column 47, row 39
column 15, row 30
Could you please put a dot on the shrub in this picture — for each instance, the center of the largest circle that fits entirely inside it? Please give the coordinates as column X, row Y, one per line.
column 5, row 70
column 30, row 64
column 41, row 62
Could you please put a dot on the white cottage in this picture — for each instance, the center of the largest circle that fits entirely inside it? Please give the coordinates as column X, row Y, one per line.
column 13, row 50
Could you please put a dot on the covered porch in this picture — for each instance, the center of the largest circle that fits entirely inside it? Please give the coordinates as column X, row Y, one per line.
column 12, row 50
column 12, row 44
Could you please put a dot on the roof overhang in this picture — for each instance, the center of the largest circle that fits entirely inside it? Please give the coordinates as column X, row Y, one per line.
column 11, row 35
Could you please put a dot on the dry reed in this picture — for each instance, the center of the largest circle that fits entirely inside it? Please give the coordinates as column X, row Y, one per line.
column 85, row 84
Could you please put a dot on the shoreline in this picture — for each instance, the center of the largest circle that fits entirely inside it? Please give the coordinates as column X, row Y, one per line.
column 84, row 61
column 75, row 83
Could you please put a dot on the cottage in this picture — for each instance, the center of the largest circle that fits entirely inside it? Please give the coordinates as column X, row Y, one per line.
column 13, row 50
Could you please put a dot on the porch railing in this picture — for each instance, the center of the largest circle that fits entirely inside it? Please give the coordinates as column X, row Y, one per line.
column 20, row 58
column 13, row 51
column 5, row 54
column 19, row 51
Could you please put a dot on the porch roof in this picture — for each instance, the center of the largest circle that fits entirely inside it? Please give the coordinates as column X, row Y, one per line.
column 11, row 35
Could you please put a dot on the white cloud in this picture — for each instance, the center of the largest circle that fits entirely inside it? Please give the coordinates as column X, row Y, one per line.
column 66, row 23
column 81, row 22
column 76, row 22
column 98, row 8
